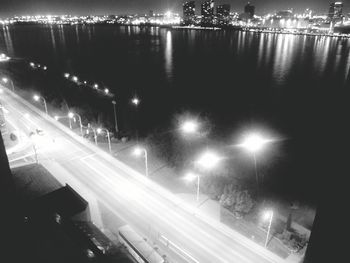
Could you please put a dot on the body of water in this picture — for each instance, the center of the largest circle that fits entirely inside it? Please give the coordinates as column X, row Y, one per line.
column 233, row 79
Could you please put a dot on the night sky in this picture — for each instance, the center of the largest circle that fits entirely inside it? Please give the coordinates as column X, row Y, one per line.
column 80, row 7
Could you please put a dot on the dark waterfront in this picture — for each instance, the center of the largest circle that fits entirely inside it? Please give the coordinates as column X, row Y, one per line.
column 233, row 79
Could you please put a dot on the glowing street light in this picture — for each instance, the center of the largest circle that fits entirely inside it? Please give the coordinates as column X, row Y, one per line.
column 99, row 131
column 32, row 64
column 268, row 215
column 208, row 160
column 106, row 91
column 37, row 98
column 190, row 177
column 254, row 143
column 189, row 127
column 137, row 152
column 75, row 78
column 66, row 75
column 71, row 116
column 6, row 80
column 95, row 86
column 135, row 101
column 44, row 68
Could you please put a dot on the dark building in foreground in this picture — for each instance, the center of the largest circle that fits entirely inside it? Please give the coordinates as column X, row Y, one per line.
column 189, row 10
column 207, row 12
column 249, row 10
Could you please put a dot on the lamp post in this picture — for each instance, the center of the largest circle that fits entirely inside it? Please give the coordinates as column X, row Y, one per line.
column 71, row 115
column 254, row 143
column 37, row 98
column 5, row 80
column 138, row 151
column 268, row 216
column 115, row 115
column 99, row 130
column 136, row 102
column 191, row 177
column 208, row 160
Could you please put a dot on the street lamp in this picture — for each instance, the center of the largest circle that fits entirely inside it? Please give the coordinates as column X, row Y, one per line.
column 189, row 127
column 95, row 86
column 106, row 91
column 37, row 98
column 254, row 143
column 71, row 116
column 135, row 101
column 138, row 151
column 208, row 160
column 190, row 177
column 5, row 80
column 99, row 130
column 75, row 78
column 93, row 130
column 268, row 215
column 115, row 115
column 66, row 75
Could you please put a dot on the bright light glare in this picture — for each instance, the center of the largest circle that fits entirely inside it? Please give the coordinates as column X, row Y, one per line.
column 75, row 78
column 190, row 176
column 267, row 215
column 189, row 126
column 99, row 130
column 254, row 142
column 208, row 160
column 95, row 86
column 106, row 91
column 36, row 97
column 4, row 80
column 56, row 118
column 138, row 151
column 135, row 101
column 70, row 114
column 66, row 75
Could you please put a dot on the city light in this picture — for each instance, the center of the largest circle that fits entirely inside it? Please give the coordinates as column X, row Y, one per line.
column 254, row 142
column 106, row 91
column 66, row 75
column 189, row 126
column 70, row 115
column 5, row 80
column 135, row 101
column 3, row 57
column 36, row 97
column 95, row 86
column 208, row 160
column 75, row 78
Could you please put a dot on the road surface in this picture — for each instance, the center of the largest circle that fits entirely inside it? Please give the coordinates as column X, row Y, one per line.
column 148, row 208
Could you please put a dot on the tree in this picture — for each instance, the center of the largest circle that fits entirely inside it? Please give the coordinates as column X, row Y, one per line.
column 236, row 200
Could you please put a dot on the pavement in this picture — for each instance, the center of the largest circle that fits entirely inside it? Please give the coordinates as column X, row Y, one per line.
column 149, row 208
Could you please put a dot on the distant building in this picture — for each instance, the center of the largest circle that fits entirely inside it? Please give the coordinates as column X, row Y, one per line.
column 223, row 10
column 223, row 14
column 284, row 14
column 207, row 12
column 335, row 11
column 189, row 12
column 249, row 10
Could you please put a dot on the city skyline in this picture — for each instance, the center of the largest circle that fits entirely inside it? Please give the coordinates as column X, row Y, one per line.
column 80, row 7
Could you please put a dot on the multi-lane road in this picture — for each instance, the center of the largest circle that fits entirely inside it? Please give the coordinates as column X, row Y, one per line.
column 147, row 207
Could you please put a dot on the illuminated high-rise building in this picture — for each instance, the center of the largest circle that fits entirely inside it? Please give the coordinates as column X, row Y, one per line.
column 223, row 14
column 335, row 10
column 207, row 12
column 189, row 12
